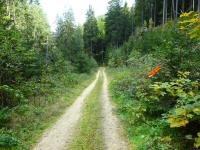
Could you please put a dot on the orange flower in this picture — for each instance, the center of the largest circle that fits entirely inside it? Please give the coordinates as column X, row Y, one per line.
column 153, row 72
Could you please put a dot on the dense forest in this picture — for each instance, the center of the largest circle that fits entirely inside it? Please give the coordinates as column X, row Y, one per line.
column 37, row 66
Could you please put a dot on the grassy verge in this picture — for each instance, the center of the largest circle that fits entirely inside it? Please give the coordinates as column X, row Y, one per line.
column 28, row 121
column 119, row 99
column 140, row 134
column 144, row 130
column 89, row 136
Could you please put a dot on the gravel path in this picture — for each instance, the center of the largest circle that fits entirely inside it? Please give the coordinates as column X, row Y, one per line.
column 111, row 127
column 60, row 135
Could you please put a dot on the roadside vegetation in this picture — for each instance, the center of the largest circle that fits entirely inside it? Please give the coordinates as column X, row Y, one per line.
column 162, row 111
column 26, row 123
column 90, row 135
column 40, row 75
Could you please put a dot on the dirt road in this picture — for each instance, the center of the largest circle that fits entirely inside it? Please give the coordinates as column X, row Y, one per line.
column 62, row 133
column 111, row 126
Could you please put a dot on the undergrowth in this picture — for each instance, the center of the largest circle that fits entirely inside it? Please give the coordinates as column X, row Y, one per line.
column 163, row 111
column 22, row 125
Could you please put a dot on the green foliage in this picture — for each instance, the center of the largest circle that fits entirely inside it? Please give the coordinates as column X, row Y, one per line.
column 118, row 23
column 190, row 24
column 94, row 36
column 144, row 132
column 184, row 95
column 84, row 63
column 70, row 41
column 65, row 33
column 164, row 114
column 12, row 96
column 101, row 25
column 7, row 141
column 91, row 31
column 176, row 91
column 37, row 68
column 147, row 107
column 30, row 54
column 197, row 140
column 167, row 46
column 5, row 116
column 52, row 96
column 116, row 58
column 23, row 33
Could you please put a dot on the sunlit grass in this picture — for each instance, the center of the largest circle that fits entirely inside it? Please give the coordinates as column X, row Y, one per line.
column 89, row 135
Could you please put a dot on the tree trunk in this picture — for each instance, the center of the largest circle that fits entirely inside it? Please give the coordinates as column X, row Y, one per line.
column 8, row 7
column 8, row 14
column 173, row 8
column 91, row 48
column 151, row 11
column 176, row 14
column 199, row 6
column 183, row 5
column 14, row 13
column 142, row 16
column 155, row 13
column 166, row 5
column 171, row 14
column 164, row 12
column 47, row 52
column 132, row 24
column 192, row 5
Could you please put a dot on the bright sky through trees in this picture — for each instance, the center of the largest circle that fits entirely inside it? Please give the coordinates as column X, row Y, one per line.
column 53, row 8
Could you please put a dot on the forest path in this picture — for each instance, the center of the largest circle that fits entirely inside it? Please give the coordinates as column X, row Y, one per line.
column 62, row 132
column 112, row 129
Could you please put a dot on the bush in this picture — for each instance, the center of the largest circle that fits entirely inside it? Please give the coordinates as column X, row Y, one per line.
column 5, row 116
column 7, row 141
column 10, row 96
column 168, row 105
column 117, row 58
column 84, row 63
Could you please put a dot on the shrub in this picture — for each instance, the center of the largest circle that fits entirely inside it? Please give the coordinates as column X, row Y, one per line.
column 10, row 96
column 190, row 24
column 5, row 116
column 171, row 105
column 7, row 141
column 117, row 58
column 180, row 101
column 84, row 63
